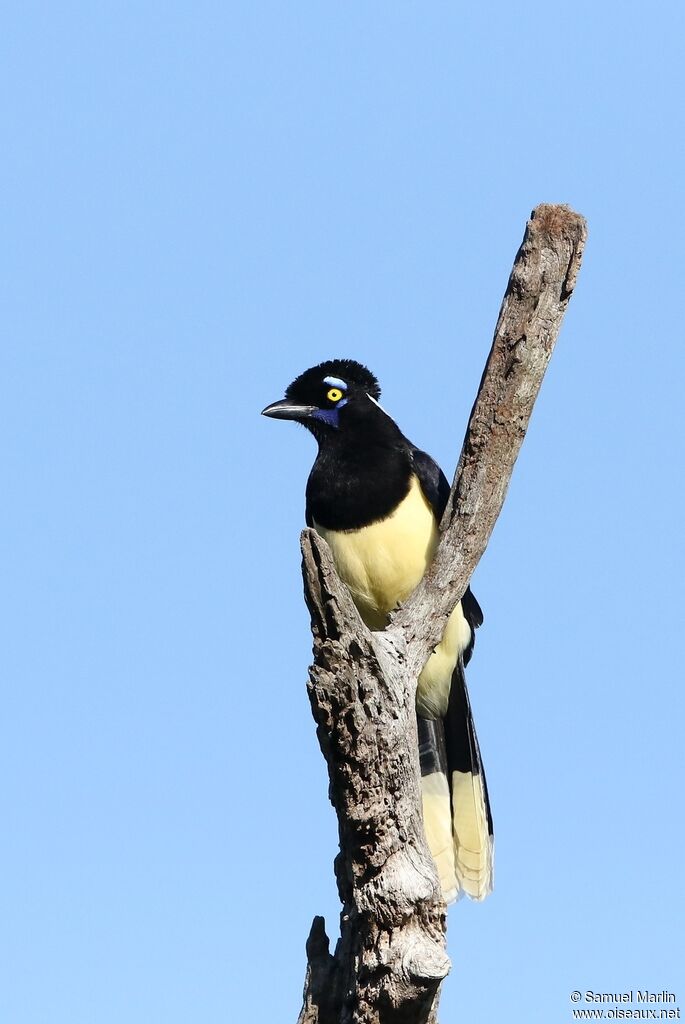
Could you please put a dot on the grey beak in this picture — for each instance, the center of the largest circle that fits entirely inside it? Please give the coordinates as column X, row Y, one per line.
column 286, row 410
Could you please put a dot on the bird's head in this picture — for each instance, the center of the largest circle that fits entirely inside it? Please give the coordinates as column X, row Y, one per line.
column 328, row 397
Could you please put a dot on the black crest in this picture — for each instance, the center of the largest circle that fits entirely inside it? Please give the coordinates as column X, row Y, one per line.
column 356, row 376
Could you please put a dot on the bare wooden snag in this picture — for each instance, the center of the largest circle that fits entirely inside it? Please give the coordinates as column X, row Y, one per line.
column 391, row 956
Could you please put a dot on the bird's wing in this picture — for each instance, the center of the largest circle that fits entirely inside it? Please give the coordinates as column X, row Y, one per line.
column 434, row 483
column 456, row 806
column 435, row 486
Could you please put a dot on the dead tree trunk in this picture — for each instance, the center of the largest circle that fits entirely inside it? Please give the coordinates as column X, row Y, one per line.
column 391, row 956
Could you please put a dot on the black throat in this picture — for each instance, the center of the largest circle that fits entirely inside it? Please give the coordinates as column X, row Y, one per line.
column 362, row 471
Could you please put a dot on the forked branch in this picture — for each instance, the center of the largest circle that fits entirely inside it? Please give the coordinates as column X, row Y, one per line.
column 391, row 955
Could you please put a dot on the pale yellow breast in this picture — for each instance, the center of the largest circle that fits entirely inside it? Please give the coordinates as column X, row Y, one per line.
column 382, row 563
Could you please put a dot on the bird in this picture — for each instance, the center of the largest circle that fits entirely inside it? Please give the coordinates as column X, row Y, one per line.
column 377, row 500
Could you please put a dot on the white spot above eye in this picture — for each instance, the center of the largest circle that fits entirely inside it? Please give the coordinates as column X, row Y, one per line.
column 335, row 382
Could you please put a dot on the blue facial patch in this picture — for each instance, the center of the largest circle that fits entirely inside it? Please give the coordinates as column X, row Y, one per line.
column 335, row 382
column 329, row 416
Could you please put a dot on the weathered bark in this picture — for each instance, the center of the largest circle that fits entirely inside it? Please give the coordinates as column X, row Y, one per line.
column 540, row 286
column 391, row 956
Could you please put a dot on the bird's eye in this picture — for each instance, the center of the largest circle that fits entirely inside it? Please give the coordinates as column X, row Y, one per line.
column 334, row 394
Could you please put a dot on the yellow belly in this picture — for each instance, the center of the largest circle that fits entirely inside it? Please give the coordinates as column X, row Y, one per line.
column 382, row 564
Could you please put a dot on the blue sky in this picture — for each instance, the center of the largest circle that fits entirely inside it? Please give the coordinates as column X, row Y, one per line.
column 198, row 202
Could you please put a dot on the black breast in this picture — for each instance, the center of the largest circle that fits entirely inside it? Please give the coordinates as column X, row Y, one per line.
column 351, row 487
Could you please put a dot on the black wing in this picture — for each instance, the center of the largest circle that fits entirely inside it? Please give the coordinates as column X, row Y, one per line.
column 434, row 483
column 435, row 486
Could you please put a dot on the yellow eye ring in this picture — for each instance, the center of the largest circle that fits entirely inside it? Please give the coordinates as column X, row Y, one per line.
column 334, row 394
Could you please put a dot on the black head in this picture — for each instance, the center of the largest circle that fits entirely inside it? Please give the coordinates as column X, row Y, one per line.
column 326, row 396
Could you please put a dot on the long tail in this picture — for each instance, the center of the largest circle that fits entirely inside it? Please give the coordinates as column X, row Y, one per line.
column 456, row 808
